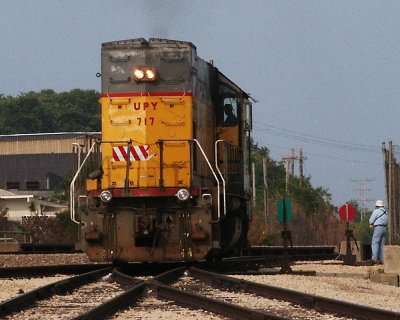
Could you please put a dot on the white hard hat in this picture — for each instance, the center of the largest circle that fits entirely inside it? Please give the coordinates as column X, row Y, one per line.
column 379, row 203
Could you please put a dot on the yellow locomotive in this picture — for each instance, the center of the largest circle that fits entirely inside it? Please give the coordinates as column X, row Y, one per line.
column 173, row 180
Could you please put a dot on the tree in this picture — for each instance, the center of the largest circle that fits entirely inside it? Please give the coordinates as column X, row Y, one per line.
column 311, row 199
column 362, row 229
column 48, row 111
column 32, row 208
column 3, row 211
column 314, row 219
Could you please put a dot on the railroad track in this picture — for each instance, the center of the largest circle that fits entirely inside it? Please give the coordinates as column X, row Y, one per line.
column 98, row 293
column 295, row 253
column 49, row 270
column 38, row 303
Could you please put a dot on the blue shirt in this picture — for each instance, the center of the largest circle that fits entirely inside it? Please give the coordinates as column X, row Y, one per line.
column 379, row 217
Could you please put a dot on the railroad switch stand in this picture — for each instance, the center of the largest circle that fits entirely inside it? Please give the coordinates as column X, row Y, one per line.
column 348, row 258
column 346, row 213
column 287, row 238
column 285, row 215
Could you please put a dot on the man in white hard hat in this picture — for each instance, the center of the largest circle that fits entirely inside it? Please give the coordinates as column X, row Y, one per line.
column 378, row 221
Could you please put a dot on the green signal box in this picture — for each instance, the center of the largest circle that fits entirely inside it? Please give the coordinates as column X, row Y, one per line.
column 284, row 207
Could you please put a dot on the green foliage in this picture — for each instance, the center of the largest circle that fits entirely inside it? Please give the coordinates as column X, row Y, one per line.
column 314, row 219
column 362, row 231
column 3, row 211
column 61, row 192
column 32, row 207
column 48, row 111
column 52, row 230
column 69, row 227
column 312, row 200
column 275, row 175
column 271, row 239
column 309, row 198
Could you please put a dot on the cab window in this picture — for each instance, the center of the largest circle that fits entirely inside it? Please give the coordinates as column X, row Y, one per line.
column 229, row 112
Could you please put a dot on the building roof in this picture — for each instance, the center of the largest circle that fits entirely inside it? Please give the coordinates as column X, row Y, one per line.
column 45, row 201
column 4, row 194
column 46, row 136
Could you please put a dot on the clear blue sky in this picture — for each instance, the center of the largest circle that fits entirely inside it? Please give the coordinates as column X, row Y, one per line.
column 325, row 73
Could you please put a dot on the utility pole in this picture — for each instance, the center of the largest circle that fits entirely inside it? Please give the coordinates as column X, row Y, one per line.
column 265, row 192
column 392, row 188
column 301, row 161
column 289, row 165
column 363, row 200
column 288, row 161
column 292, row 158
column 253, row 167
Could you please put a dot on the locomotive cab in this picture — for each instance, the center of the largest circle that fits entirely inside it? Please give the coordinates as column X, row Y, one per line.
column 171, row 179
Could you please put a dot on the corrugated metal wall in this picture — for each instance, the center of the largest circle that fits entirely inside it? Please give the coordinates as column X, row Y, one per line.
column 43, row 143
column 40, row 161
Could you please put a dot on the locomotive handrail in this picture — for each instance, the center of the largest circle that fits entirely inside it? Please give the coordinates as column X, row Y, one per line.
column 208, row 163
column 216, row 179
column 128, row 162
column 72, row 186
column 220, row 173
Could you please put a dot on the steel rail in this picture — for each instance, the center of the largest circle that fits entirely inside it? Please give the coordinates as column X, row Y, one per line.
column 170, row 276
column 29, row 298
column 295, row 251
column 241, row 264
column 46, row 252
column 36, row 271
column 132, row 295
column 124, row 279
column 199, row 301
column 221, row 307
column 121, row 301
column 129, row 297
column 307, row 300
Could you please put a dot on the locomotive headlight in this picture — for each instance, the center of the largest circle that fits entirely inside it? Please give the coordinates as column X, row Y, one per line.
column 150, row 74
column 144, row 73
column 138, row 74
column 105, row 196
column 183, row 195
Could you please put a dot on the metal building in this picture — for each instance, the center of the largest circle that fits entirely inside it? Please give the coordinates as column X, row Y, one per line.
column 41, row 161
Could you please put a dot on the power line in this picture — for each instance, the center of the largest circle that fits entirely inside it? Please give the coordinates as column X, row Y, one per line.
column 343, row 145
column 318, row 155
column 315, row 137
column 344, row 159
column 269, row 129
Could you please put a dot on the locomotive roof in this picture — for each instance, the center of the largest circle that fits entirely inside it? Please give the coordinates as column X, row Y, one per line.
column 143, row 42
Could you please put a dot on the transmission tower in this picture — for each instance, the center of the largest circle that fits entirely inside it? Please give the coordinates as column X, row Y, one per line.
column 363, row 200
